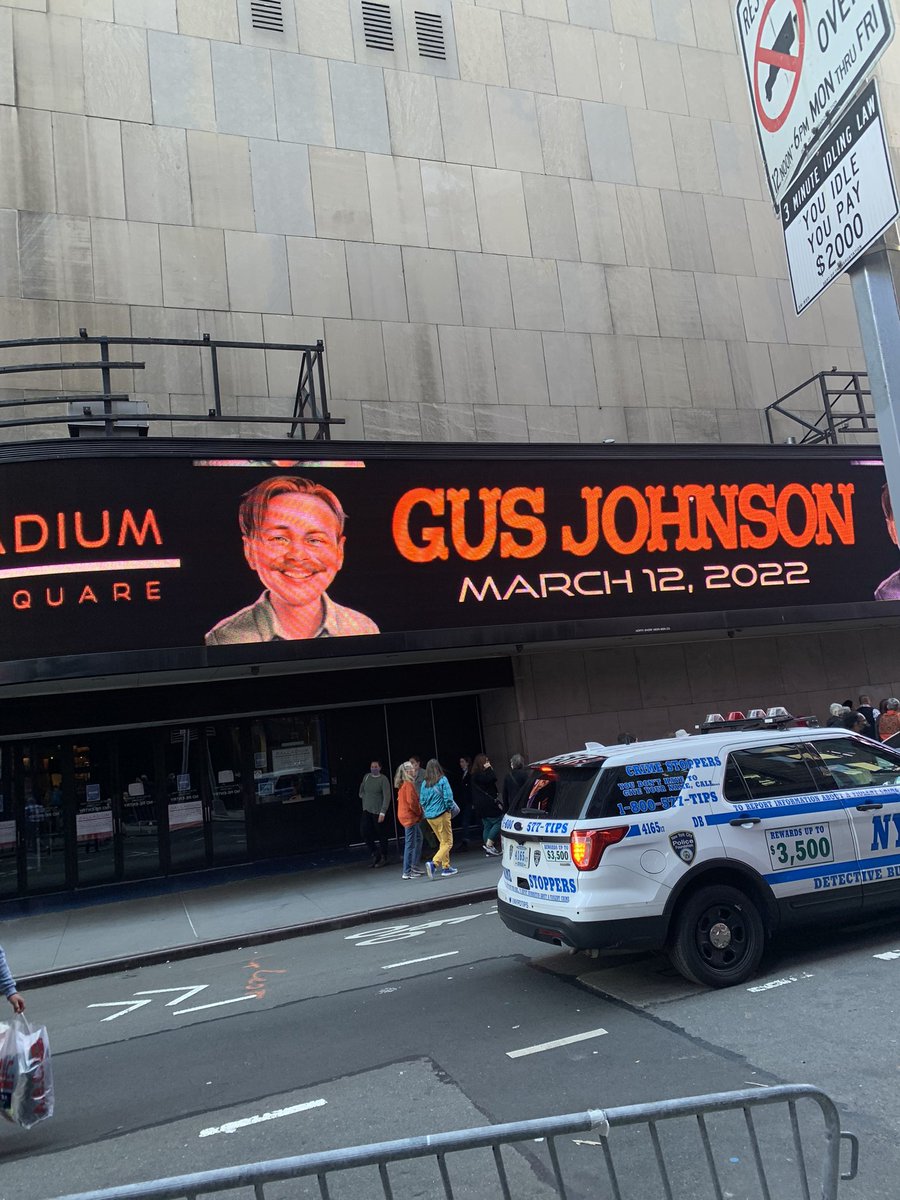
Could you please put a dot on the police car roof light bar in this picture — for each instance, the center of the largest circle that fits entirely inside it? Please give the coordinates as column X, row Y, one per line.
column 780, row 718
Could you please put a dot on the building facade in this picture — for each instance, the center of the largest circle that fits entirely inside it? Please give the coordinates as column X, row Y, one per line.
column 516, row 222
column 525, row 220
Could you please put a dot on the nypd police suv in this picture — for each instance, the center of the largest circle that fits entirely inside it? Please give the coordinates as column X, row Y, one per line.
column 703, row 845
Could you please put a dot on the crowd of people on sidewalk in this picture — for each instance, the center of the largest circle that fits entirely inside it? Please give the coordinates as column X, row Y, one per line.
column 427, row 804
column 880, row 724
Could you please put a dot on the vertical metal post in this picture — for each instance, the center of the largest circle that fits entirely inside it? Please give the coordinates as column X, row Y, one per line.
column 324, row 433
column 875, row 292
column 105, row 371
column 217, row 394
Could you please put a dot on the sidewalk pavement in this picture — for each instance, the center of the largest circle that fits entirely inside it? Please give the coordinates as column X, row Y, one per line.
column 98, row 935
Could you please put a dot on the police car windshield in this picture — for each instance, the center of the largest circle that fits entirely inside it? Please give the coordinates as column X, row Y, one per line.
column 558, row 792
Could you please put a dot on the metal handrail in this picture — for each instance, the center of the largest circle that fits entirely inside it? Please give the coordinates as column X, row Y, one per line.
column 831, row 423
column 310, row 410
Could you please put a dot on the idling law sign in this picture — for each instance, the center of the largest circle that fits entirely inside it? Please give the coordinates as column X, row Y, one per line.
column 804, row 59
column 841, row 203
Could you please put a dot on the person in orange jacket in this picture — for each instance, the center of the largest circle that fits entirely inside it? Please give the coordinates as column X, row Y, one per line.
column 409, row 814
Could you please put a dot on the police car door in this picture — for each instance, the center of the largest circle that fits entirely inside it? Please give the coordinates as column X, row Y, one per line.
column 868, row 781
column 786, row 822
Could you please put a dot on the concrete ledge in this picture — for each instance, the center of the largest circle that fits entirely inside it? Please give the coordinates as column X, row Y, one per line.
column 149, row 958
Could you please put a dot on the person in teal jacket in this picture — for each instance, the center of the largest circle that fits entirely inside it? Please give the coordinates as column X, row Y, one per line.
column 437, row 803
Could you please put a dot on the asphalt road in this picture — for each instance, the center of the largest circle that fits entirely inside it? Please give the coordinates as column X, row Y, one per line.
column 385, row 1032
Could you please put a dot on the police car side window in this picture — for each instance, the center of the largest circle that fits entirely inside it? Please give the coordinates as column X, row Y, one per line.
column 854, row 764
column 733, row 787
column 772, row 771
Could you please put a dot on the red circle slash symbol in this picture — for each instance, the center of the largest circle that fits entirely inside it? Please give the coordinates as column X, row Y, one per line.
column 785, row 54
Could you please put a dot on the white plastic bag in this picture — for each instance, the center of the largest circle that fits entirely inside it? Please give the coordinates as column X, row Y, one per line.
column 26, row 1079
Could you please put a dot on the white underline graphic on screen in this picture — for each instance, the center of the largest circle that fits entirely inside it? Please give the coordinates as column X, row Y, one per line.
column 123, row 564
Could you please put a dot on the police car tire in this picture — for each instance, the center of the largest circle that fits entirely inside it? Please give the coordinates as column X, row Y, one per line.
column 692, row 949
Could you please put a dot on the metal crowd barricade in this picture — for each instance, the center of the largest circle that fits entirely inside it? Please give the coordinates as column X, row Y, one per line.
column 663, row 1151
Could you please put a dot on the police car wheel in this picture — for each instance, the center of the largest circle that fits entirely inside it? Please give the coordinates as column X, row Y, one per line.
column 719, row 937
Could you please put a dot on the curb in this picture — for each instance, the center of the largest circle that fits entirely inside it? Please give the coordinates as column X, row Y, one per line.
column 260, row 937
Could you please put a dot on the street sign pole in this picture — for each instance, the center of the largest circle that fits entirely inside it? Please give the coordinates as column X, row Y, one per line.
column 875, row 279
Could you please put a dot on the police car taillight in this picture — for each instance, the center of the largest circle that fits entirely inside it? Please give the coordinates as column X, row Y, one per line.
column 586, row 846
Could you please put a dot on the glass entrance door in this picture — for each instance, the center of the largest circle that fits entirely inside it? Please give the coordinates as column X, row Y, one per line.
column 139, row 803
column 190, row 844
column 42, row 768
column 292, row 802
column 9, row 836
column 225, row 772
column 93, row 792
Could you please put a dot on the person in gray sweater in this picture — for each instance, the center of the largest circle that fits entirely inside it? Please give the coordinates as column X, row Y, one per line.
column 375, row 794
column 8, row 985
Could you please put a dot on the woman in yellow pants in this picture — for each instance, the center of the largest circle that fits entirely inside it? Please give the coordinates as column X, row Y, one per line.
column 437, row 803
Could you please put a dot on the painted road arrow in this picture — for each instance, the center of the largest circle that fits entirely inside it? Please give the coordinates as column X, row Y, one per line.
column 183, row 993
column 130, row 1006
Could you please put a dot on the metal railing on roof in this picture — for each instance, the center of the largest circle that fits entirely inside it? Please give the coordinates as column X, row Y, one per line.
column 110, row 408
column 843, row 396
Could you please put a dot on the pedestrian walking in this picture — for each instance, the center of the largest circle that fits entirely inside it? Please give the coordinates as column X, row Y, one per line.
column 436, row 798
column 869, row 711
column 487, row 803
column 462, row 793
column 855, row 722
column 409, row 814
column 514, row 781
column 375, row 794
column 889, row 721
column 8, row 985
column 427, row 832
column 419, row 777
column 836, row 714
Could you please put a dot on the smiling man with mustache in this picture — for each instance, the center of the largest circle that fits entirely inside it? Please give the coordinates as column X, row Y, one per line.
column 293, row 532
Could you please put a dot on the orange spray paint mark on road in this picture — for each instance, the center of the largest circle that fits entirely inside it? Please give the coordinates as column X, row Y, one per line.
column 256, row 984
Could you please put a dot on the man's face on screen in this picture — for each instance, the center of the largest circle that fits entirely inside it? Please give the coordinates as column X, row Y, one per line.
column 298, row 548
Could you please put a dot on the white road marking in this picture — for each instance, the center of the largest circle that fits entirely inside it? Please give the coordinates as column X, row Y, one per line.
column 410, row 962
column 888, row 956
column 218, row 1004
column 184, row 993
column 130, row 1006
column 566, row 1041
column 777, row 983
column 189, row 921
column 397, row 933
column 232, row 1126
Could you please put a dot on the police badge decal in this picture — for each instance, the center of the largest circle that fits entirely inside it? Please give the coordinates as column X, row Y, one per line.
column 684, row 844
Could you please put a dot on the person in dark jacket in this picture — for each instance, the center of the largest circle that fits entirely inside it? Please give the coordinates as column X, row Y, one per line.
column 870, row 713
column 514, row 780
column 462, row 794
column 486, row 803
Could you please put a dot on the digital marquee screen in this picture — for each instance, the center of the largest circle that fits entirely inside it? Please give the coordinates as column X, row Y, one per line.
column 205, row 562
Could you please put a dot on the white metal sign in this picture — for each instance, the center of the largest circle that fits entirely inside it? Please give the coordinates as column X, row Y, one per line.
column 804, row 59
column 841, row 203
